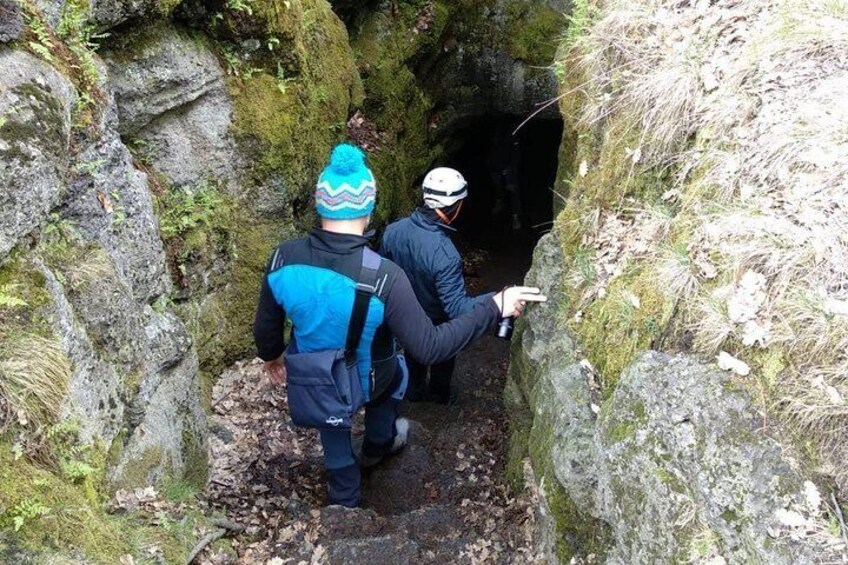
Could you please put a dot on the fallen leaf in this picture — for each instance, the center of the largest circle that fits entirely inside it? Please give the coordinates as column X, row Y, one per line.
column 728, row 362
column 105, row 202
column 790, row 518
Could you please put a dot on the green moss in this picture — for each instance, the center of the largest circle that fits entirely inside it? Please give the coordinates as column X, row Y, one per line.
column 195, row 460
column 23, row 289
column 140, row 471
column 43, row 513
column 46, row 125
column 614, row 330
column 51, row 513
column 577, row 533
column 533, row 31
column 165, row 7
column 221, row 324
column 520, row 423
column 389, row 52
column 295, row 107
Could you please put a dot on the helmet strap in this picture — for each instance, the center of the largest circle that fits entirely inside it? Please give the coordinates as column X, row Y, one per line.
column 445, row 218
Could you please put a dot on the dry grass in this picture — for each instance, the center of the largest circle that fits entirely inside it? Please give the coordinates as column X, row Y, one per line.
column 34, row 374
column 747, row 104
column 95, row 266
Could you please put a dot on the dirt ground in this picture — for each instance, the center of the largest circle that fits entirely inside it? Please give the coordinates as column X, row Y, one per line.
column 443, row 499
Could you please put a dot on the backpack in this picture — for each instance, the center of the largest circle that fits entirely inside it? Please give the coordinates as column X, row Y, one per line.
column 324, row 388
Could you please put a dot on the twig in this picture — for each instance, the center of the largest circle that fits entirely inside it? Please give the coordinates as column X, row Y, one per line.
column 228, row 525
column 838, row 510
column 201, row 545
column 541, row 109
column 225, row 526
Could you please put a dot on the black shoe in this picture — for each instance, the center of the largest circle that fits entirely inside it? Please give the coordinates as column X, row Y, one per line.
column 416, row 396
column 450, row 399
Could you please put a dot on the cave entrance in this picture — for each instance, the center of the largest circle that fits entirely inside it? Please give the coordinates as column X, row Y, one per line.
column 510, row 179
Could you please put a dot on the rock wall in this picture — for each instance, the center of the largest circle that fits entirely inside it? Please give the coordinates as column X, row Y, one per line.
column 680, row 231
column 673, row 465
column 152, row 153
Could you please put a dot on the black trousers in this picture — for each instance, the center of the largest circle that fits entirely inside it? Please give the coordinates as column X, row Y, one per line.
column 438, row 387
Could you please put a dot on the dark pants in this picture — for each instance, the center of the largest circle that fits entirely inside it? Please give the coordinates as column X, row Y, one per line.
column 438, row 387
column 343, row 475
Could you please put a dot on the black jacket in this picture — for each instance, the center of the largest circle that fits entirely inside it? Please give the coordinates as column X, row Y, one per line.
column 313, row 279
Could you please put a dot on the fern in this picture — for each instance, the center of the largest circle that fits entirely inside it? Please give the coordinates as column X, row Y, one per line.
column 8, row 298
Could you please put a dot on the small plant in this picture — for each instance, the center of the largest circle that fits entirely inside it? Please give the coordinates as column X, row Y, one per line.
column 25, row 511
column 240, row 6
column 178, row 491
column 9, row 298
column 187, row 208
column 59, row 232
column 282, row 79
column 89, row 167
column 43, row 43
column 583, row 14
column 34, row 374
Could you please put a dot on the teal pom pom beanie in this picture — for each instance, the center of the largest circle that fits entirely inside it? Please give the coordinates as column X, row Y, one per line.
column 346, row 188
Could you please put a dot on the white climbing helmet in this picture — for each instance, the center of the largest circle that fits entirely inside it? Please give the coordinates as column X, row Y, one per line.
column 444, row 187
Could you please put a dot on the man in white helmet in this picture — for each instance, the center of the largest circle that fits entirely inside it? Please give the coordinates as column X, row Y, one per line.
column 421, row 246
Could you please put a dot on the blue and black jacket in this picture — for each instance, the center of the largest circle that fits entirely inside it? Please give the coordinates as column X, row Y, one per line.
column 313, row 280
column 421, row 246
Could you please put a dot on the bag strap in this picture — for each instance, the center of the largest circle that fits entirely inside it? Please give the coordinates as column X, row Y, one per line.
column 365, row 289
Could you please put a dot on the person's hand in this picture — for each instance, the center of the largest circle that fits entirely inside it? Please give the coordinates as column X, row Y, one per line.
column 511, row 301
column 276, row 370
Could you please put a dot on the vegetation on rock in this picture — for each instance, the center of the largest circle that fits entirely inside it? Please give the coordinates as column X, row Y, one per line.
column 697, row 189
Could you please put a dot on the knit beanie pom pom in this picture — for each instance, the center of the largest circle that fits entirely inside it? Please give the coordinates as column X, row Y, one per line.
column 346, row 159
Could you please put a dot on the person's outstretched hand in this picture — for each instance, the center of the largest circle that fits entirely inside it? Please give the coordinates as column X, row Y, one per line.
column 511, row 301
column 276, row 370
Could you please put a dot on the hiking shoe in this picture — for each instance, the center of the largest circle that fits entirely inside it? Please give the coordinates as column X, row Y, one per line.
column 400, row 441
column 451, row 399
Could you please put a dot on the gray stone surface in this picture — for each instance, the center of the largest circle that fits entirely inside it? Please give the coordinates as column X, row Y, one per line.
column 172, row 100
column 52, row 10
column 96, row 389
column 35, row 125
column 155, row 69
column 684, row 454
column 110, row 13
column 675, row 464
column 388, row 549
column 135, row 371
column 11, row 21
column 109, row 202
column 169, row 438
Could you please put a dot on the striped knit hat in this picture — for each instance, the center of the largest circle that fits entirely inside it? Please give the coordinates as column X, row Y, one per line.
column 346, row 189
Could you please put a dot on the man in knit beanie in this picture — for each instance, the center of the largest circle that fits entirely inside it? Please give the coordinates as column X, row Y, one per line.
column 313, row 281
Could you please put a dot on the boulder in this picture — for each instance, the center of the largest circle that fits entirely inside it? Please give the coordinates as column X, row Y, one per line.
column 35, row 127
column 173, row 103
column 11, row 21
column 110, row 13
column 675, row 466
column 110, row 203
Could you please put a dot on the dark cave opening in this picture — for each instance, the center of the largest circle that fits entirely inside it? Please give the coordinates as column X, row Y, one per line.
column 510, row 179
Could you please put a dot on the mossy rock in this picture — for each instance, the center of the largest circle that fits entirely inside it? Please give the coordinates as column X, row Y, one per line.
column 291, row 112
column 42, row 511
column 577, row 532
column 533, row 31
column 23, row 297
